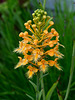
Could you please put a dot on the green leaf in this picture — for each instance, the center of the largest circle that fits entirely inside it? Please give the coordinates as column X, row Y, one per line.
column 40, row 94
column 60, row 97
column 7, row 93
column 73, row 84
column 51, row 90
column 3, row 7
column 43, row 76
column 34, row 85
column 30, row 97
column 40, row 4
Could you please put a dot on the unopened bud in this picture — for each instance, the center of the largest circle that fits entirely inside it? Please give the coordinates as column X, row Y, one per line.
column 44, row 17
column 55, row 33
column 34, row 26
column 39, row 23
column 34, row 19
column 35, row 41
column 25, row 33
column 45, row 31
column 26, row 24
column 21, row 34
column 37, row 18
column 42, row 11
column 33, row 14
column 29, row 22
column 48, row 17
column 51, row 23
column 45, row 13
column 39, row 15
column 35, row 11
column 52, row 30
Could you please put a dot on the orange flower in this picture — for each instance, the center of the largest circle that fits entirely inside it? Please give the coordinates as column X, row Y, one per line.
column 24, row 61
column 23, row 34
column 35, row 41
column 50, row 52
column 21, row 62
column 54, row 63
column 43, row 65
column 37, row 54
column 54, row 52
column 31, row 71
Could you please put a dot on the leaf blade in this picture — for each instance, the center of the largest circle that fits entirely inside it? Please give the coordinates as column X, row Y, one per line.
column 51, row 90
column 40, row 94
column 33, row 84
column 60, row 97
column 29, row 96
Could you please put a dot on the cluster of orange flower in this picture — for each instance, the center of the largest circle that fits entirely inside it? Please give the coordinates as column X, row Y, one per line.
column 33, row 46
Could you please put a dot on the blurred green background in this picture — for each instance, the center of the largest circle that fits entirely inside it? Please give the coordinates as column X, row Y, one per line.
column 14, row 85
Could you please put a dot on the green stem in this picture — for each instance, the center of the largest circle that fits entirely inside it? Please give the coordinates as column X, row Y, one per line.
column 37, row 91
column 42, row 85
column 44, row 4
column 71, row 72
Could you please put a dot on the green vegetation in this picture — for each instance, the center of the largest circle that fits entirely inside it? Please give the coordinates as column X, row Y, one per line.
column 14, row 85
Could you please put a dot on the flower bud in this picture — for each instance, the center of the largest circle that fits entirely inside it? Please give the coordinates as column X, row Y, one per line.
column 42, row 11
column 34, row 26
column 48, row 17
column 55, row 33
column 33, row 14
column 45, row 13
column 44, row 17
column 21, row 34
column 35, row 11
column 39, row 15
column 29, row 22
column 37, row 18
column 26, row 24
column 25, row 33
column 35, row 41
column 34, row 19
column 52, row 30
column 39, row 23
column 51, row 23
column 45, row 31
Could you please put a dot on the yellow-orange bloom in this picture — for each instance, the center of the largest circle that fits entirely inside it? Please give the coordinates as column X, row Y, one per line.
column 43, row 65
column 37, row 54
column 34, row 47
column 54, row 63
column 31, row 71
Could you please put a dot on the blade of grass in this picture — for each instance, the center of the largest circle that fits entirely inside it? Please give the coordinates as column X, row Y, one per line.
column 71, row 72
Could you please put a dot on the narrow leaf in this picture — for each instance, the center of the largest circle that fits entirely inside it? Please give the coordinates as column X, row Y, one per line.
column 43, row 76
column 40, row 94
column 6, row 93
column 60, row 97
column 73, row 84
column 40, row 4
column 30, row 97
column 51, row 90
column 34, row 85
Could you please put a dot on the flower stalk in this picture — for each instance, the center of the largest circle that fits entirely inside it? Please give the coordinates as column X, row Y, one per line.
column 42, row 85
column 37, row 91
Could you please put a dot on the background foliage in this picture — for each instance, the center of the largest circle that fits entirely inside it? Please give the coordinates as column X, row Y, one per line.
column 13, row 83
